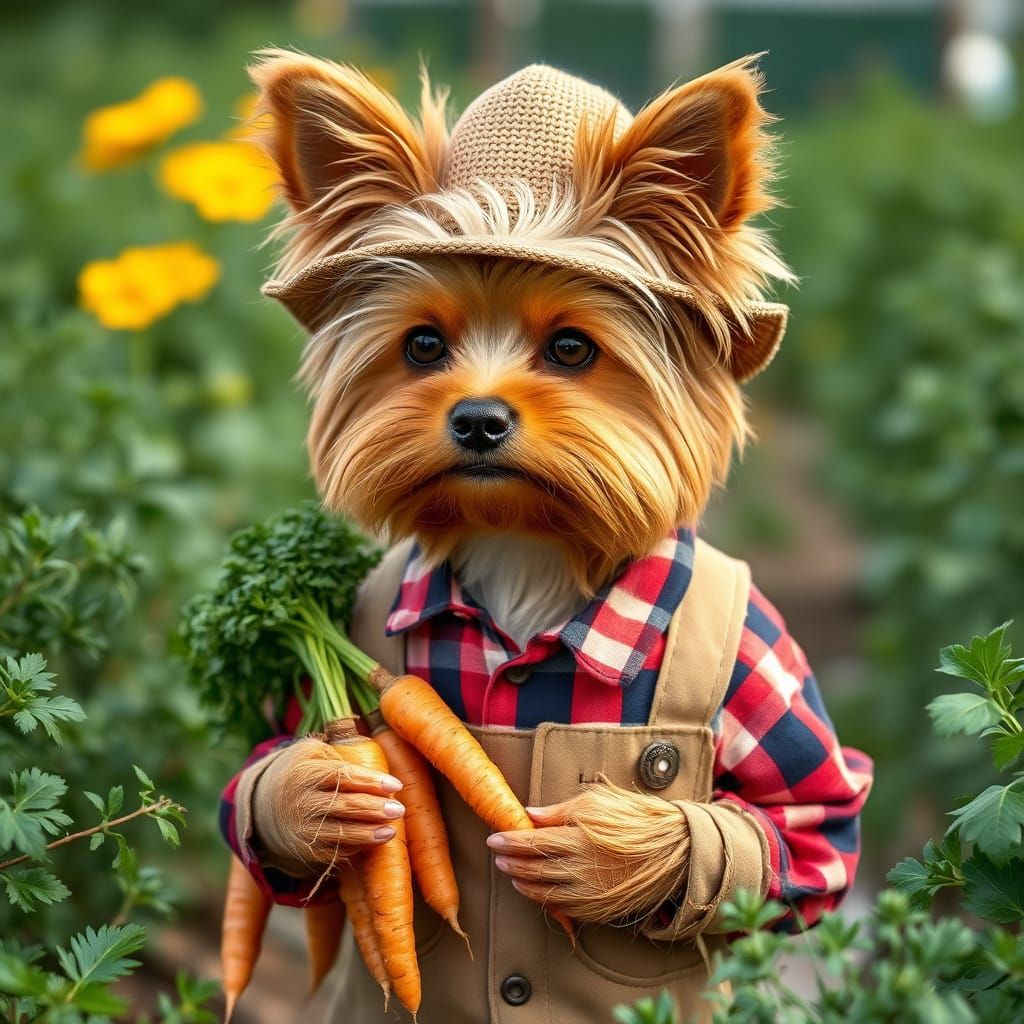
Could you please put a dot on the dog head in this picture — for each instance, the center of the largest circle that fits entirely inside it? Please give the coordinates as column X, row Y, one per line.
column 456, row 394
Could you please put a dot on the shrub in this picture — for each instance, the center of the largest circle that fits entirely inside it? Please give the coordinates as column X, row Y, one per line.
column 902, row 963
column 65, row 586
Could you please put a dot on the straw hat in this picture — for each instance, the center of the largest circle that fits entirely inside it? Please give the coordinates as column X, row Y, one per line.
column 524, row 129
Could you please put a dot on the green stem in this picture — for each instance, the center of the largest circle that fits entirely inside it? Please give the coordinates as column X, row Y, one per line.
column 326, row 671
column 364, row 695
column 359, row 663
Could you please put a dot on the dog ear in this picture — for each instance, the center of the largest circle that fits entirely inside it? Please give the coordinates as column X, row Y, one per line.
column 330, row 128
column 703, row 142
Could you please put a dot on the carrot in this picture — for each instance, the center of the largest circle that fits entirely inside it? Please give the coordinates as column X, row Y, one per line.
column 424, row 824
column 325, row 923
column 387, row 875
column 414, row 709
column 245, row 916
column 353, row 895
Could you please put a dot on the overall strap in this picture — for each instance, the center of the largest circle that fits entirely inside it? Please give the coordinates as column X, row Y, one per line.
column 702, row 641
column 373, row 603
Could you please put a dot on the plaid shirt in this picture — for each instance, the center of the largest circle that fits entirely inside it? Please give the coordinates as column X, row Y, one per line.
column 777, row 755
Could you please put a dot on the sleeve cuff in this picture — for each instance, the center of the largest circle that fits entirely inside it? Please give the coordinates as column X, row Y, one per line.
column 288, row 884
column 728, row 852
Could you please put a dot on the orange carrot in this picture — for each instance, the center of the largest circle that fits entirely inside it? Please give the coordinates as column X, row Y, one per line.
column 353, row 895
column 245, row 916
column 414, row 709
column 387, row 876
column 424, row 824
column 325, row 923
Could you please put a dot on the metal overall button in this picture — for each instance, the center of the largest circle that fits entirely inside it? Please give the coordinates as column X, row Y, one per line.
column 659, row 765
column 516, row 990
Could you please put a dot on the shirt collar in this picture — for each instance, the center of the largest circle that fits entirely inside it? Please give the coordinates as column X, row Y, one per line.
column 610, row 638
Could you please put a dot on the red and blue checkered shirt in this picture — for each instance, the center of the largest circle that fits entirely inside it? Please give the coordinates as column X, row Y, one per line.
column 777, row 754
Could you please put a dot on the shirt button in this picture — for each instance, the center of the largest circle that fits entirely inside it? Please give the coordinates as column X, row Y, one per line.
column 518, row 674
column 516, row 990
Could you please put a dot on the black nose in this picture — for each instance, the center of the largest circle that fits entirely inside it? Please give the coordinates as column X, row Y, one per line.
column 481, row 424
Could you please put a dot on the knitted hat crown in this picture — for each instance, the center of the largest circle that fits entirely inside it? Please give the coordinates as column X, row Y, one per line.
column 524, row 129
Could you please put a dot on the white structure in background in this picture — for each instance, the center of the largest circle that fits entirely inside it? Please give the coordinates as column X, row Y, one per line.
column 977, row 65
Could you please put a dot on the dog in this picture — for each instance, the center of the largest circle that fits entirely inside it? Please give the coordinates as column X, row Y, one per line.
column 528, row 339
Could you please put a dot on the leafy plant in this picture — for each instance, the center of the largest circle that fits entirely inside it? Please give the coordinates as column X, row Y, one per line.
column 906, row 225
column 901, row 963
column 283, row 583
column 65, row 585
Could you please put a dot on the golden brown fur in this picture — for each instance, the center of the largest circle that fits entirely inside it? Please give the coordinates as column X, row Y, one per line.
column 608, row 458
column 612, row 457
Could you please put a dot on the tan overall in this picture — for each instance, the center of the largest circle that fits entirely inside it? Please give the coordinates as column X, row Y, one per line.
column 510, row 935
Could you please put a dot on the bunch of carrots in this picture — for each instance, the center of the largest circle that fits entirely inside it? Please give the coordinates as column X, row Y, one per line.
column 268, row 626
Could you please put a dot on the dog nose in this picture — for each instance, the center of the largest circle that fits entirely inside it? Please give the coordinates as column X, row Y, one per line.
column 481, row 424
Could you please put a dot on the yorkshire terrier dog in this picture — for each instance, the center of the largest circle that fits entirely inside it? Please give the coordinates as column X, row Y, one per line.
column 528, row 336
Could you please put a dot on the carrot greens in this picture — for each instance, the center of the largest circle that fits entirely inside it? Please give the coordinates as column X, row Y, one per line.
column 269, row 623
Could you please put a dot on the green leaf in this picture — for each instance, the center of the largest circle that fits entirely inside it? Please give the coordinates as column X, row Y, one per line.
column 30, row 813
column 994, row 892
column 96, row 800
column 99, row 956
column 993, row 821
column 1007, row 749
column 95, row 998
column 913, row 878
column 19, row 978
column 96, row 841
column 32, row 888
column 985, row 661
column 969, row 713
column 115, row 801
column 148, row 784
column 169, row 832
column 24, row 689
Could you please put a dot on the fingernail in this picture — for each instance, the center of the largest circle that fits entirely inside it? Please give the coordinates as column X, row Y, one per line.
column 501, row 863
column 496, row 842
column 515, row 885
column 393, row 809
column 533, row 810
column 390, row 784
column 384, row 832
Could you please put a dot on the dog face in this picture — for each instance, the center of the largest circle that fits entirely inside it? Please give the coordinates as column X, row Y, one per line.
column 491, row 395
column 457, row 395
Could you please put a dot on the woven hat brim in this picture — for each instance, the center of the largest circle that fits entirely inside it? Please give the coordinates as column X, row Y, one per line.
column 303, row 294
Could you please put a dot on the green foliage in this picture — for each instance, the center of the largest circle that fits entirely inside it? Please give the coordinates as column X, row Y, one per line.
column 902, row 964
column 26, row 688
column 66, row 587
column 646, row 1011
column 906, row 226
column 281, row 584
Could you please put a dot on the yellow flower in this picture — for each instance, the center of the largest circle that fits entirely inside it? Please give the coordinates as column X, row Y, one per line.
column 224, row 180
column 145, row 283
column 118, row 134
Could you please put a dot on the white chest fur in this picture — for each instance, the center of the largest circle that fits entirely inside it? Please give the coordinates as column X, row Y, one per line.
column 524, row 582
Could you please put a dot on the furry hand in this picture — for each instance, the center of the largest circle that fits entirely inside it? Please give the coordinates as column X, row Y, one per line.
column 606, row 855
column 311, row 809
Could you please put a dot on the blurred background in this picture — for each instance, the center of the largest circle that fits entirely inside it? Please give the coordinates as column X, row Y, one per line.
column 881, row 508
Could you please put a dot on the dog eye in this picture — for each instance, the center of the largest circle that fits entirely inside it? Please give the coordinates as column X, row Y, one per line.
column 424, row 345
column 570, row 348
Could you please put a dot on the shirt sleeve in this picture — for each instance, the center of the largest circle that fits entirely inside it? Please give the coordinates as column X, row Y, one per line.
column 778, row 758
column 276, row 884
